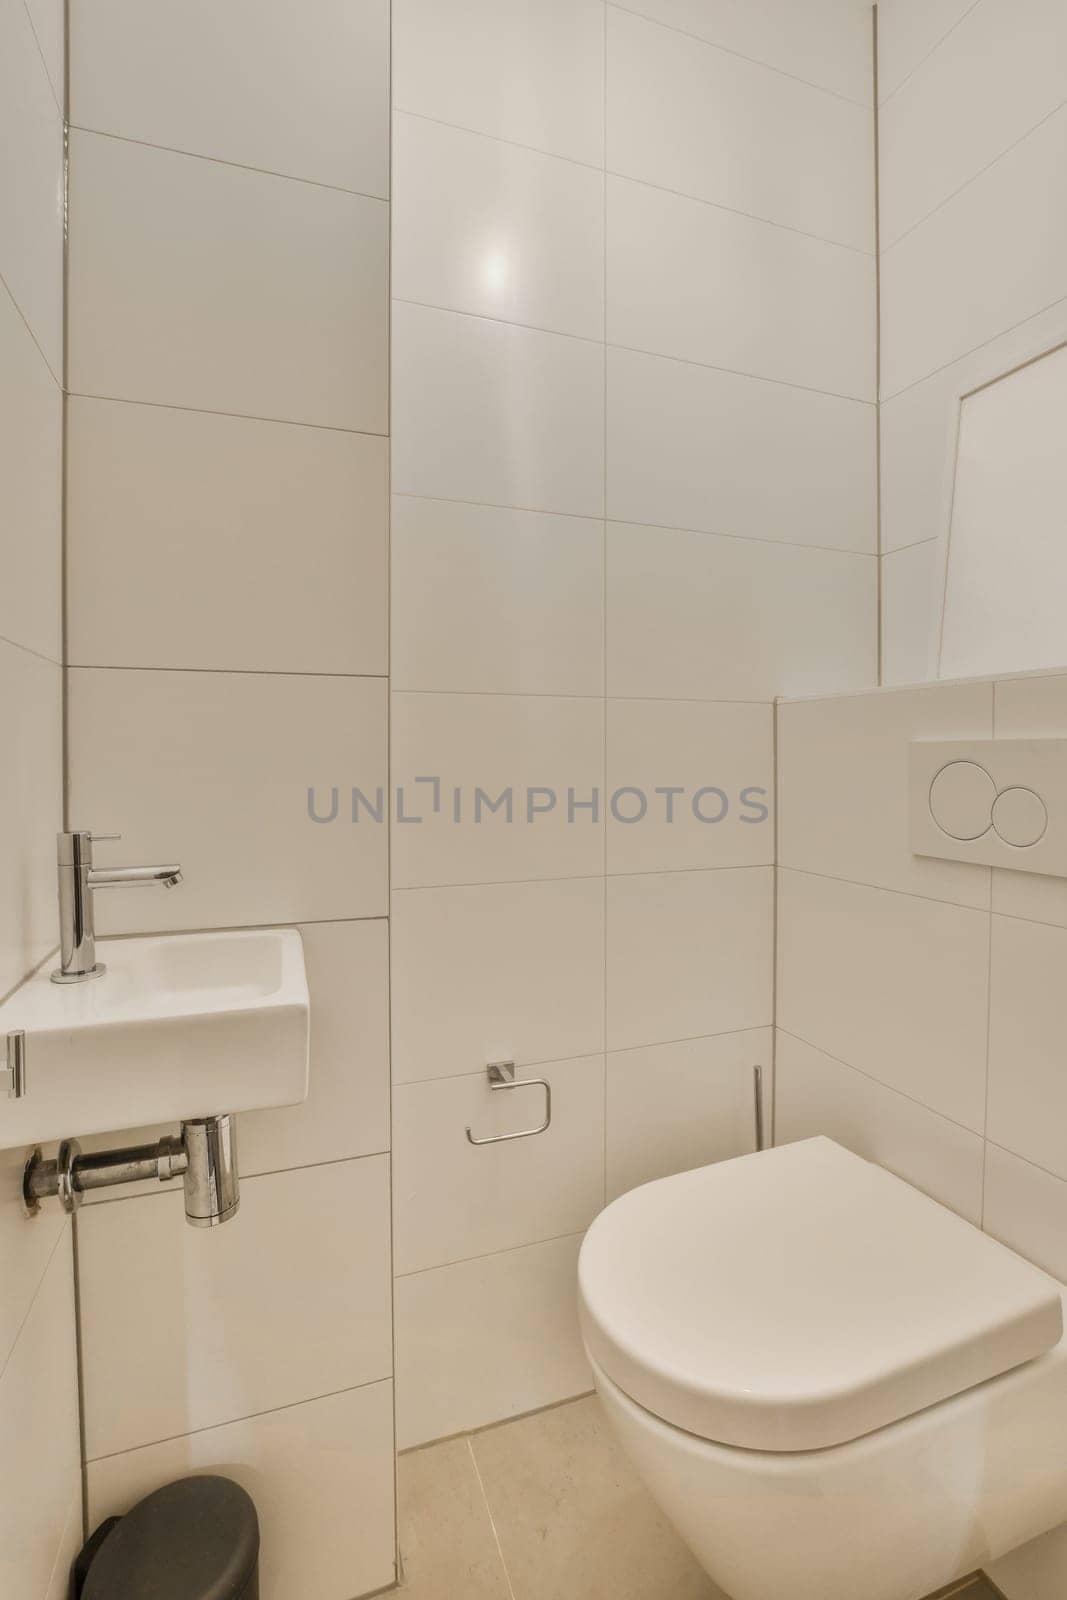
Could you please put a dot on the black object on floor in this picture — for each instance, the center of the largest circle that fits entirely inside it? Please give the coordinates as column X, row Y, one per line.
column 197, row 1539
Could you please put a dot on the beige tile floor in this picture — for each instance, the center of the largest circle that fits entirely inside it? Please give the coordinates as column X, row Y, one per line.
column 543, row 1508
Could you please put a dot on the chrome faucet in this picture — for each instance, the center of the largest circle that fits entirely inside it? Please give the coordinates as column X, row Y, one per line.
column 77, row 880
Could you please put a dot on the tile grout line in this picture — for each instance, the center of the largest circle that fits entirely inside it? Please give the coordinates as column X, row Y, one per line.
column 983, row 344
column 489, row 1513
column 604, row 613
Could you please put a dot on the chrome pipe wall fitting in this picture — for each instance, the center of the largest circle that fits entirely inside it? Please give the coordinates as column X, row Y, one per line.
column 204, row 1155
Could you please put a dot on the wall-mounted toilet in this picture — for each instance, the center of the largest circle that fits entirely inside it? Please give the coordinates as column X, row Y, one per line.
column 832, row 1385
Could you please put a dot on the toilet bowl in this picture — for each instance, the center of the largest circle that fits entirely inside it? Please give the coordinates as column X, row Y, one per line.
column 833, row 1386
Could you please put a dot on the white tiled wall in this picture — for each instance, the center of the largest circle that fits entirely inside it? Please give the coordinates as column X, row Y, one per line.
column 920, row 1009
column 227, row 612
column 40, row 1488
column 39, row 1452
column 627, row 513
column 972, row 145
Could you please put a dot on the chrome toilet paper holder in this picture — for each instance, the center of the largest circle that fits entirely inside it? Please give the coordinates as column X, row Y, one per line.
column 501, row 1075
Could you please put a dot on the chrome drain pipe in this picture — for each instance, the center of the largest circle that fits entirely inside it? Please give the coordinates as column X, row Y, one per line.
column 204, row 1155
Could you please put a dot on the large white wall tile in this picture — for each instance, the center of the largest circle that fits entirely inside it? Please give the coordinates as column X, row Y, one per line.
column 825, row 42
column 49, row 25
column 31, row 807
column 273, row 537
column 321, row 1475
column 486, row 1339
column 1032, row 707
column 454, row 1200
column 785, row 306
column 893, row 984
column 685, row 115
column 675, row 1106
column 294, row 329
column 31, row 470
column 346, row 1112
column 692, row 616
column 530, row 74
column 495, row 601
column 213, row 770
column 493, row 229
column 911, row 621
column 537, row 747
column 70, row 1543
column 305, row 95
column 1027, row 1015
column 31, row 184
column 24, row 1252
column 689, row 447
column 996, row 76
column 497, row 972
column 689, row 954
column 484, row 411
column 843, row 786
column 689, row 745
column 908, row 30
column 815, row 1094
column 1026, row 1208
column 246, row 1340
column 972, row 269
column 39, row 1459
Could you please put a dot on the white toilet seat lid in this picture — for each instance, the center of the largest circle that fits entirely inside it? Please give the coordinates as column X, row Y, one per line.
column 800, row 1298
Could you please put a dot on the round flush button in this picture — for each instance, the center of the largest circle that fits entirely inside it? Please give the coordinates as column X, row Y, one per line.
column 961, row 799
column 1019, row 817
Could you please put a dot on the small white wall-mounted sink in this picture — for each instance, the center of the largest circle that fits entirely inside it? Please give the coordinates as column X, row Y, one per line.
column 183, row 1026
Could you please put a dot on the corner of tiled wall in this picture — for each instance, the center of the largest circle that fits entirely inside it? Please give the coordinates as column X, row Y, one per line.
column 40, row 1477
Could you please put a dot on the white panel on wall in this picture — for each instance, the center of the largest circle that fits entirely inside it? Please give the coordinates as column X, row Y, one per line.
column 327, row 1464
column 152, row 319
column 132, row 67
column 994, row 78
column 689, row 954
column 31, row 184
column 273, row 537
column 538, row 747
column 688, row 447
column 498, row 414
column 247, row 1340
column 927, row 318
column 213, row 770
column 496, row 972
column 893, row 984
column 785, row 306
column 692, row 616
column 496, row 601
column 31, row 802
column 454, row 1200
column 31, row 455
column 676, row 1106
column 690, row 745
column 486, row 1339
column 533, row 75
column 1007, row 558
column 843, row 776
column 825, row 42
column 687, row 116
column 493, row 229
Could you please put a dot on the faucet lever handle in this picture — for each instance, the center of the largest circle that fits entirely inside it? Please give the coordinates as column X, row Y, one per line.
column 105, row 838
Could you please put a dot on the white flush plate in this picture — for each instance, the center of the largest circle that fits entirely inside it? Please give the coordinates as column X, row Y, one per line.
column 995, row 802
column 179, row 1026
